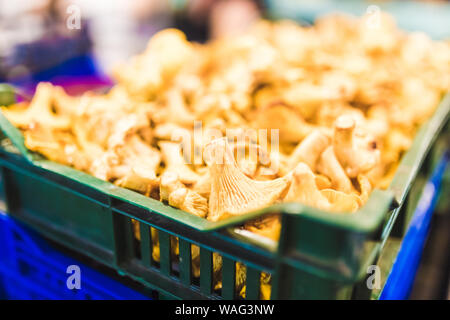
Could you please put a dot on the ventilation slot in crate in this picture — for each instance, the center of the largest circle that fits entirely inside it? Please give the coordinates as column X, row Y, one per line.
column 175, row 256
column 149, row 245
column 249, row 282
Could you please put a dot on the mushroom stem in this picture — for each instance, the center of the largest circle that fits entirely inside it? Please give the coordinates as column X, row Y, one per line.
column 169, row 183
column 330, row 166
column 343, row 131
column 174, row 160
column 356, row 151
column 309, row 150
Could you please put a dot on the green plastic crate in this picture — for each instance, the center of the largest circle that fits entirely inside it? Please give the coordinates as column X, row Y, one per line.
column 320, row 255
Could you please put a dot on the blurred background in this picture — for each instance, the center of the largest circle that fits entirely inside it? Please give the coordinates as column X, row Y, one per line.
column 37, row 35
column 59, row 40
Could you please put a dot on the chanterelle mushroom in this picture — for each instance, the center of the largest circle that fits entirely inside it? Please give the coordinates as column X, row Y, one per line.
column 232, row 192
column 55, row 145
column 304, row 189
column 356, row 153
column 292, row 127
column 175, row 192
column 189, row 201
column 175, row 110
column 40, row 110
column 365, row 188
column 145, row 74
column 175, row 162
column 140, row 179
column 268, row 226
column 329, row 166
column 309, row 150
column 169, row 183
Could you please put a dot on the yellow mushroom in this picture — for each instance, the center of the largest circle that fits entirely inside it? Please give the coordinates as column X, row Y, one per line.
column 268, row 226
column 169, row 182
column 304, row 190
column 140, row 179
column 41, row 110
column 58, row 146
column 189, row 201
column 175, row 110
column 323, row 182
column 340, row 201
column 145, row 74
column 171, row 131
column 232, row 192
column 310, row 149
column 355, row 151
column 329, row 166
column 292, row 127
column 175, row 162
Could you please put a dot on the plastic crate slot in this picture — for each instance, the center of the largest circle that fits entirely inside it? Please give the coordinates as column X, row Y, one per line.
column 206, row 271
column 217, row 273
column 240, row 280
column 185, row 263
column 253, row 286
column 155, row 256
column 175, row 256
column 195, row 265
column 265, row 286
column 146, row 244
column 136, row 240
column 164, row 252
column 228, row 278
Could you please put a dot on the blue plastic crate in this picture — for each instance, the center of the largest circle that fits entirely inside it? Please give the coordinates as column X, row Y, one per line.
column 401, row 277
column 77, row 75
column 31, row 269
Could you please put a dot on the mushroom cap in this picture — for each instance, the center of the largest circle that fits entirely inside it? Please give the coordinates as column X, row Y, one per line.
column 41, row 110
column 140, row 179
column 232, row 192
column 292, row 127
column 189, row 201
column 303, row 188
column 169, row 182
column 329, row 166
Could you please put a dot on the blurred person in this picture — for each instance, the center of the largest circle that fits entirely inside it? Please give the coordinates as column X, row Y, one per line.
column 229, row 18
column 205, row 19
column 39, row 35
